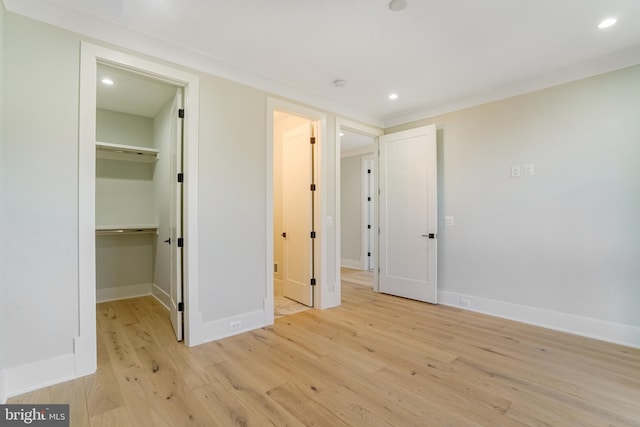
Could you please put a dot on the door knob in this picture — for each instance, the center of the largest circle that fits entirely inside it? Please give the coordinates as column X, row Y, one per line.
column 168, row 240
column 284, row 234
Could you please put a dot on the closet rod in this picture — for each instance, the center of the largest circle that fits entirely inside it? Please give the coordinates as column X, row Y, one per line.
column 123, row 231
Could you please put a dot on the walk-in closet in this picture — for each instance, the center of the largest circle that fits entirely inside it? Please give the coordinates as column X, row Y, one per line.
column 138, row 200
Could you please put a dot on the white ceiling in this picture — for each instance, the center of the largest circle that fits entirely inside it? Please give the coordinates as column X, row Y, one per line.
column 131, row 93
column 438, row 55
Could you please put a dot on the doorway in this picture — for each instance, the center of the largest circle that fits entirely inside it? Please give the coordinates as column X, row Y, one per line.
column 358, row 147
column 294, row 213
column 93, row 57
column 139, row 208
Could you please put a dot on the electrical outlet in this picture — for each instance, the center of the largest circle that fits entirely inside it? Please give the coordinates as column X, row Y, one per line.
column 235, row 325
column 465, row 302
column 448, row 221
column 515, row 171
column 529, row 170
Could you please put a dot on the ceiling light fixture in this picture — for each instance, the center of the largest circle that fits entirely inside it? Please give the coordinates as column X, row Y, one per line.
column 607, row 23
column 339, row 83
column 398, row 5
column 393, row 96
column 107, row 81
column 341, row 133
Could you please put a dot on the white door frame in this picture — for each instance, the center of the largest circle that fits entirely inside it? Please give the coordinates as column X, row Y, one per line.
column 368, row 190
column 85, row 343
column 373, row 132
column 324, row 294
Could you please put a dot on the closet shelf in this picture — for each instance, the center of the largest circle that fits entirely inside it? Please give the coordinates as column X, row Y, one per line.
column 119, row 230
column 130, row 153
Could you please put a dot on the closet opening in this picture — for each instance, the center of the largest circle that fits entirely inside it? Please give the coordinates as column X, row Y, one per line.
column 138, row 199
column 294, row 213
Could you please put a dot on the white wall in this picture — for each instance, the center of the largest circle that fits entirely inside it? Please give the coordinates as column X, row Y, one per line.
column 40, row 171
column 39, row 200
column 3, row 320
column 566, row 240
column 351, row 211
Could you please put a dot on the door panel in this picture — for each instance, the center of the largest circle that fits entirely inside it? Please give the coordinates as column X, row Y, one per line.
column 408, row 214
column 296, row 215
column 176, row 218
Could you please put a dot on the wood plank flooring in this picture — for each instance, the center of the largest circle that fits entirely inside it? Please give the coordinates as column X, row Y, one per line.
column 375, row 361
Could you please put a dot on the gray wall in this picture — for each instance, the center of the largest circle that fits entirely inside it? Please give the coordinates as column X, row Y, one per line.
column 566, row 239
column 351, row 209
column 3, row 319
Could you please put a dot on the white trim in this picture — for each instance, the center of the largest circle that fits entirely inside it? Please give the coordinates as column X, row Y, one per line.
column 162, row 297
column 342, row 123
column 221, row 328
column 351, row 263
column 590, row 68
column 584, row 326
column 325, row 295
column 166, row 49
column 358, row 151
column 123, row 292
column 91, row 55
column 33, row 376
column 364, row 209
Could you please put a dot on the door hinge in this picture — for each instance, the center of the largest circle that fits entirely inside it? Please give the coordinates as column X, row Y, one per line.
column 368, row 170
column 368, row 253
column 180, row 242
column 180, row 306
column 313, row 281
column 368, row 199
column 180, row 177
column 313, row 234
column 312, row 140
column 181, row 113
column 313, row 187
column 369, row 227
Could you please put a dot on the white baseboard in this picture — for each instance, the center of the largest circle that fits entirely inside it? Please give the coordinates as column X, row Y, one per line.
column 123, row 292
column 351, row 263
column 585, row 326
column 33, row 376
column 217, row 329
column 162, row 297
column 3, row 395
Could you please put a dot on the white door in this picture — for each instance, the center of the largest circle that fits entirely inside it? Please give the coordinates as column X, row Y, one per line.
column 297, row 248
column 176, row 168
column 408, row 214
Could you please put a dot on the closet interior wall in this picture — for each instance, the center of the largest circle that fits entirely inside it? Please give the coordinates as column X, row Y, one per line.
column 133, row 194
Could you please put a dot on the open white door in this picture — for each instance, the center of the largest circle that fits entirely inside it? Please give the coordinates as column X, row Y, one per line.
column 297, row 211
column 408, row 214
column 176, row 242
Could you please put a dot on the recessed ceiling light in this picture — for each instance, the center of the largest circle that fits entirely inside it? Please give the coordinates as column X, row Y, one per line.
column 107, row 81
column 393, row 96
column 341, row 133
column 398, row 5
column 607, row 23
column 339, row 83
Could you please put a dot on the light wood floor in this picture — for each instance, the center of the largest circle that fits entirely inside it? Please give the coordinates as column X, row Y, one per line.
column 375, row 361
